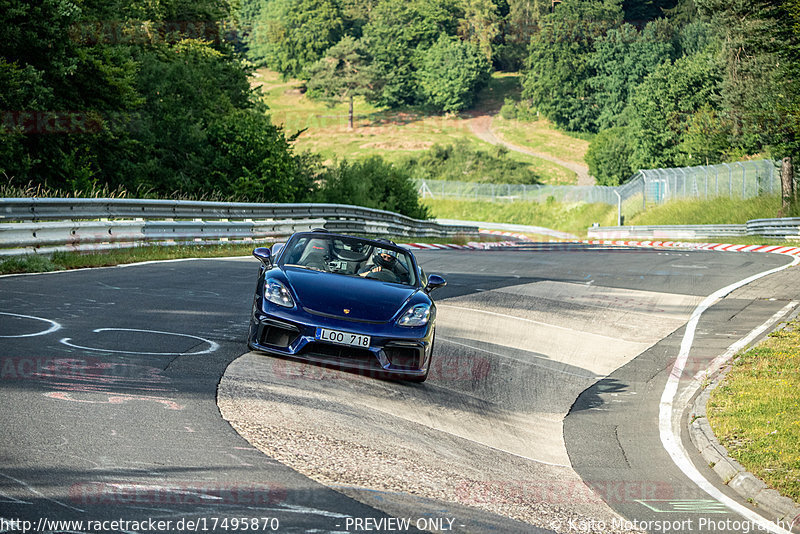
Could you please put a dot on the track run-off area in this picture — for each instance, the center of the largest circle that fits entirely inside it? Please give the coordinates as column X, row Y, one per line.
column 128, row 395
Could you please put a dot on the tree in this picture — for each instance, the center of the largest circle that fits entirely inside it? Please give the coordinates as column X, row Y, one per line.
column 646, row 10
column 707, row 137
column 291, row 35
column 373, row 183
column 252, row 160
column 609, row 155
column 760, row 49
column 663, row 104
column 480, row 24
column 396, row 35
column 523, row 20
column 558, row 70
column 146, row 104
column 621, row 59
column 344, row 73
column 451, row 72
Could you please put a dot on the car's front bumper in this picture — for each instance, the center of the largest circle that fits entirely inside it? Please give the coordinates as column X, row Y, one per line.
column 394, row 351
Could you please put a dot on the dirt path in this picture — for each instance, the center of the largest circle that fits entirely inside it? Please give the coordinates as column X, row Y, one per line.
column 481, row 126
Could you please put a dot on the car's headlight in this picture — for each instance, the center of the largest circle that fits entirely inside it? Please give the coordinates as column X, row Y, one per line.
column 416, row 316
column 277, row 293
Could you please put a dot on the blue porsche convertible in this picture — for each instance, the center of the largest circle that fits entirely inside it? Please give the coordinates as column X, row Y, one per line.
column 345, row 301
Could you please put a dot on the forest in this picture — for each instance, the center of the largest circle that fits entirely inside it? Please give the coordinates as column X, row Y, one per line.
column 154, row 99
column 661, row 83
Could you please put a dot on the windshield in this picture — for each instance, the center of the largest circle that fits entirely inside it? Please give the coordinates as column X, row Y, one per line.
column 350, row 256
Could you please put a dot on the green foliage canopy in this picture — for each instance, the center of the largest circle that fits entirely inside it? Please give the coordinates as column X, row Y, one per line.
column 344, row 73
column 557, row 75
column 373, row 183
column 139, row 102
column 663, row 105
column 451, row 72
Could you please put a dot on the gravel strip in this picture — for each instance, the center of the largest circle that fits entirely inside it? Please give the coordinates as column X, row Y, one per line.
column 304, row 425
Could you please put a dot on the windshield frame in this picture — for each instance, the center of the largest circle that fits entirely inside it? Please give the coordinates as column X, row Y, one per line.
column 285, row 258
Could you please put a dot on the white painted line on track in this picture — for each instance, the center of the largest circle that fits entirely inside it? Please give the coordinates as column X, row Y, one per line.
column 40, row 494
column 669, row 426
column 53, row 325
column 211, row 348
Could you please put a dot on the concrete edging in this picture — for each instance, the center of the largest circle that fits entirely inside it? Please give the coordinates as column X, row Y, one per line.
column 731, row 472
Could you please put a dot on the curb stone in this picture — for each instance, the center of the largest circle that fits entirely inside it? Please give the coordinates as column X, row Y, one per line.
column 731, row 472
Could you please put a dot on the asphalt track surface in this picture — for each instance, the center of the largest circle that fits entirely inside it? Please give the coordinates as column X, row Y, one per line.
column 110, row 377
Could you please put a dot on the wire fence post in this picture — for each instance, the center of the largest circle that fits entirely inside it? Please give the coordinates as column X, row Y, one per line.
column 744, row 180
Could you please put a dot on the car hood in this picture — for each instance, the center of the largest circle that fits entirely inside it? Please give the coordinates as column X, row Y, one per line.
column 331, row 294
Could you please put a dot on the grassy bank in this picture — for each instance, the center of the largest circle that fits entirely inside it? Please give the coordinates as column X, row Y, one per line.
column 755, row 411
column 577, row 217
column 720, row 210
column 392, row 134
column 574, row 218
column 540, row 136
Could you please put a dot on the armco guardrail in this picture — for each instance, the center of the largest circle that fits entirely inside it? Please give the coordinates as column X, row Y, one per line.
column 786, row 228
column 46, row 225
column 668, row 231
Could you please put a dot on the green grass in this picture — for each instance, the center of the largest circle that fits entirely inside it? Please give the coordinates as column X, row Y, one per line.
column 755, row 411
column 541, row 136
column 720, row 210
column 574, row 218
column 391, row 134
column 577, row 217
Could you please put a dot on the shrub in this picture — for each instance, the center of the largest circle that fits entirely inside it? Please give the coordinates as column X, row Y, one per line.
column 372, row 183
column 608, row 156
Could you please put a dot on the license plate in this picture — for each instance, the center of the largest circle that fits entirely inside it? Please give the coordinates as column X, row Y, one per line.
column 342, row 338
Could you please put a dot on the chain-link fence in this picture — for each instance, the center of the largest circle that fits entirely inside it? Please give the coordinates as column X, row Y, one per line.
column 743, row 179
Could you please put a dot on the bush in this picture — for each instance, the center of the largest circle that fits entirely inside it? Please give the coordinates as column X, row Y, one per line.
column 461, row 162
column 372, row 183
column 521, row 111
column 608, row 157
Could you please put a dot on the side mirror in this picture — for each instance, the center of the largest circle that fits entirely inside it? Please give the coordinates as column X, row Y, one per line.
column 264, row 256
column 435, row 282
